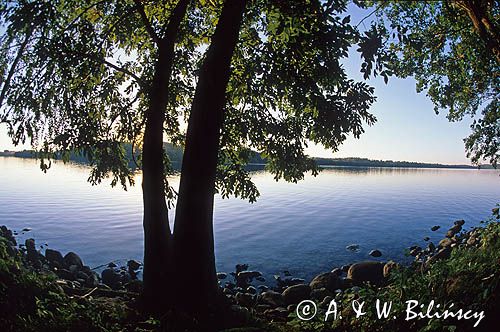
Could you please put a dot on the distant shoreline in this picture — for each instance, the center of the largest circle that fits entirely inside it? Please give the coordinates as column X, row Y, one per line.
column 256, row 160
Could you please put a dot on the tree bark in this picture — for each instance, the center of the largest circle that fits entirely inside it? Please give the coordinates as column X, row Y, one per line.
column 193, row 233
column 157, row 274
column 487, row 31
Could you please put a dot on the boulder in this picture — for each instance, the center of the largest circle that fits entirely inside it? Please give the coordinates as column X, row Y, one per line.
column 367, row 272
column 389, row 267
column 54, row 256
column 327, row 280
column 454, row 230
column 110, row 278
column 446, row 242
column 273, row 298
column 459, row 222
column 297, row 293
column 320, row 293
column 72, row 259
column 245, row 300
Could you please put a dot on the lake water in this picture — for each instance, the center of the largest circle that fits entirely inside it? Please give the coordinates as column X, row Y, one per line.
column 303, row 228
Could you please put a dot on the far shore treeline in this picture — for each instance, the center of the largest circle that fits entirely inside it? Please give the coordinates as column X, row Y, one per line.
column 175, row 153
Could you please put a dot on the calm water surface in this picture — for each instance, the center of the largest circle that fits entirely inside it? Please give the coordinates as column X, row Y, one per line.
column 303, row 228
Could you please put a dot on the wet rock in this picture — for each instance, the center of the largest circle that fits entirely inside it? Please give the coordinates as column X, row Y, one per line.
column 427, row 238
column 72, row 259
column 245, row 277
column 352, row 247
column 414, row 251
column 345, row 268
column 431, row 247
column 260, row 278
column 329, row 281
column 273, row 298
column 112, row 265
column 241, row 267
column 375, row 253
column 459, row 222
column 435, row 228
column 287, row 273
column 367, row 272
column 337, row 271
column 454, row 230
column 295, row 294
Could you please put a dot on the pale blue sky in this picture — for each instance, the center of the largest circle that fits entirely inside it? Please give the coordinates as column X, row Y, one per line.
column 407, row 127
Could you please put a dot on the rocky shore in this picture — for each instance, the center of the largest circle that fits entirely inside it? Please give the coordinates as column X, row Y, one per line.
column 272, row 302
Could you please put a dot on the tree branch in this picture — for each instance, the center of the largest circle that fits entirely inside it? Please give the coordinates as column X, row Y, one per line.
column 13, row 67
column 147, row 24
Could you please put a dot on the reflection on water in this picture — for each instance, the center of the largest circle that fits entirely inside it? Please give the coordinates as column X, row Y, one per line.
column 300, row 227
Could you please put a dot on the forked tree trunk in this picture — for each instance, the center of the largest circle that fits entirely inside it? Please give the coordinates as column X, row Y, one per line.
column 157, row 274
column 193, row 233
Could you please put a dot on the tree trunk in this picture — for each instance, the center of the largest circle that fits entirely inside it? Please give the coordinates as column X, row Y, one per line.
column 193, row 233
column 158, row 263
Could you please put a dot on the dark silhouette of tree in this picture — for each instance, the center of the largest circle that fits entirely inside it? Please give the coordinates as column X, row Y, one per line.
column 88, row 76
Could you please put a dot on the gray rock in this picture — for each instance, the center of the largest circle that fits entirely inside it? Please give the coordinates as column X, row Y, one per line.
column 72, row 259
column 327, row 280
column 297, row 293
column 367, row 272
column 375, row 253
column 352, row 247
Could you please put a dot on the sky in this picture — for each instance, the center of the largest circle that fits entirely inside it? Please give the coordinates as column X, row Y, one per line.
column 406, row 129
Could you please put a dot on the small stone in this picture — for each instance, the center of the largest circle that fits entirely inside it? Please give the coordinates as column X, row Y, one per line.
column 375, row 253
column 435, row 228
column 251, row 290
column 352, row 247
column 27, row 229
column 133, row 265
column 427, row 238
column 221, row 275
column 287, row 273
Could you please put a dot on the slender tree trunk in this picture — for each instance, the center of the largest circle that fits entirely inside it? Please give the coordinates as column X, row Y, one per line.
column 158, row 262
column 193, row 233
